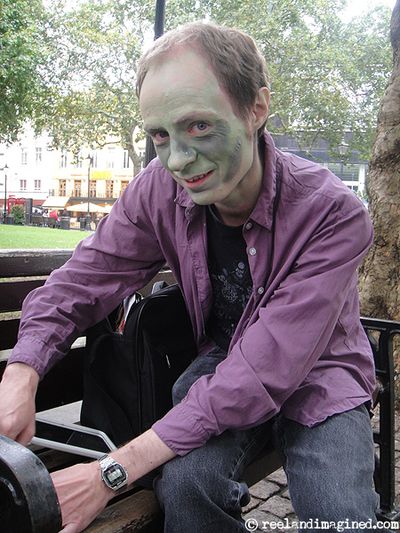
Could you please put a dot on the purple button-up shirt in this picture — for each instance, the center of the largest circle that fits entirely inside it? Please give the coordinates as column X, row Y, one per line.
column 299, row 347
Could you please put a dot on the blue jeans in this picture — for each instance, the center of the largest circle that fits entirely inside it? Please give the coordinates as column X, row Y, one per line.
column 329, row 469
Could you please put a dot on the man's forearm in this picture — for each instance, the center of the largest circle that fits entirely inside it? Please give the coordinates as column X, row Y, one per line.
column 81, row 492
column 23, row 373
column 142, row 455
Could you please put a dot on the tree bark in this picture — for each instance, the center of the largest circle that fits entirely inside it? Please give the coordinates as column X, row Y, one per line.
column 127, row 141
column 380, row 273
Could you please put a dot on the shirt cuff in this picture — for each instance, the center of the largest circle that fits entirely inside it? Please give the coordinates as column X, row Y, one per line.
column 180, row 431
column 32, row 352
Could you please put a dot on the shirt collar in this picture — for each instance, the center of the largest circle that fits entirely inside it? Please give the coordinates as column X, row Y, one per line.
column 262, row 213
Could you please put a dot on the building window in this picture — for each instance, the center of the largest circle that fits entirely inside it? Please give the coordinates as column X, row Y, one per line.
column 142, row 157
column 124, row 185
column 38, row 155
column 22, row 185
column 346, row 172
column 351, row 172
column 94, row 159
column 77, row 187
column 24, row 156
column 38, row 185
column 92, row 188
column 62, row 188
column 109, row 189
column 126, row 159
column 110, row 158
column 63, row 160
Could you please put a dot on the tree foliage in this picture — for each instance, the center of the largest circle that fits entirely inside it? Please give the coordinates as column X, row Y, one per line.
column 22, row 52
column 18, row 214
column 327, row 76
column 91, row 74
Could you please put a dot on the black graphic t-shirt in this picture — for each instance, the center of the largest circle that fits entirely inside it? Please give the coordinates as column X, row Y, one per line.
column 230, row 278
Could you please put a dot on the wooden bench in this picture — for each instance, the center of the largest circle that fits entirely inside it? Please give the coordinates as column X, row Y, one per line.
column 137, row 510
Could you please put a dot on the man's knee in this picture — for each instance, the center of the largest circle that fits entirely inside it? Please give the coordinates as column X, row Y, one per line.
column 187, row 482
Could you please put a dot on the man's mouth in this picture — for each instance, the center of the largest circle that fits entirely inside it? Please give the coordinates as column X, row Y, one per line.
column 197, row 180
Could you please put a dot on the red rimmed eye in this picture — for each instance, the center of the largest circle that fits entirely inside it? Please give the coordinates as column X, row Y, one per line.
column 159, row 137
column 199, row 128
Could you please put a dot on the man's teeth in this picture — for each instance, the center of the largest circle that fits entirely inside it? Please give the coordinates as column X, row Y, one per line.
column 197, row 178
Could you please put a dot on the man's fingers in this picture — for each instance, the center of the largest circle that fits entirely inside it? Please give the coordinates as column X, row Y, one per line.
column 9, row 430
column 26, row 435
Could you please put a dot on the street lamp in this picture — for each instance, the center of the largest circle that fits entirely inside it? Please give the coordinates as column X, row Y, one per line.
column 158, row 31
column 88, row 218
column 342, row 148
column 4, row 168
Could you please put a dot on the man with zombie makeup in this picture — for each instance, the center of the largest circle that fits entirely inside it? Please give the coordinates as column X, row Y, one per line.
column 265, row 247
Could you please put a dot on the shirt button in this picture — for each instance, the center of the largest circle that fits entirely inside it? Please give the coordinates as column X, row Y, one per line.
column 260, row 290
column 252, row 251
column 249, row 225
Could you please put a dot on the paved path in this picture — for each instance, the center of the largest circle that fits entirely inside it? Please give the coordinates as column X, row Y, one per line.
column 270, row 501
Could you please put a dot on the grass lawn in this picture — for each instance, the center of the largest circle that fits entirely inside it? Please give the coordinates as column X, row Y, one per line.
column 23, row 237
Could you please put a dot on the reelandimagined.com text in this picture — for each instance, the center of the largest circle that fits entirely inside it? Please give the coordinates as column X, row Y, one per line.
column 253, row 524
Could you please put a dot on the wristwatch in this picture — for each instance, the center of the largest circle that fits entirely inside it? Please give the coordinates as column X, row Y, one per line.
column 113, row 474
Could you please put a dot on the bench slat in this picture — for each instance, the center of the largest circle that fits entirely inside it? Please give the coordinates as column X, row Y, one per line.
column 13, row 293
column 139, row 512
column 15, row 263
column 8, row 333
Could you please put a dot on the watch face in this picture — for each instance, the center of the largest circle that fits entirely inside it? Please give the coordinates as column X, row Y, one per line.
column 115, row 475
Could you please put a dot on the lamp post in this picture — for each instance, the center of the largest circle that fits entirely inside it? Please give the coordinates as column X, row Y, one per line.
column 88, row 218
column 342, row 148
column 158, row 31
column 4, row 168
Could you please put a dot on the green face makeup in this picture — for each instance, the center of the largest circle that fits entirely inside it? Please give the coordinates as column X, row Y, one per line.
column 207, row 149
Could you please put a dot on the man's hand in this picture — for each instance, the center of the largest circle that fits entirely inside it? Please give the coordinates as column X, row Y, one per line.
column 17, row 407
column 82, row 495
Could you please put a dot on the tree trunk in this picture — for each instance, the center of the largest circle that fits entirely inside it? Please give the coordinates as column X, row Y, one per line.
column 380, row 273
column 127, row 141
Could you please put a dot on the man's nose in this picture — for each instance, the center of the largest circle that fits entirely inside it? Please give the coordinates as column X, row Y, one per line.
column 180, row 156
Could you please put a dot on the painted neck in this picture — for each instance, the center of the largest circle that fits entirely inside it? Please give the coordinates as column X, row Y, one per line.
column 236, row 209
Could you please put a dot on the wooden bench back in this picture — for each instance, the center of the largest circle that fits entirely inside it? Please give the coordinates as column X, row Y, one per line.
column 21, row 271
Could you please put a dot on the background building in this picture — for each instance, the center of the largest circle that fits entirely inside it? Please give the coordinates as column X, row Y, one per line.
column 349, row 168
column 30, row 167
column 56, row 179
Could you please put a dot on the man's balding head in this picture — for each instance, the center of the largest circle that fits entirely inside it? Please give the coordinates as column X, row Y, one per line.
column 233, row 57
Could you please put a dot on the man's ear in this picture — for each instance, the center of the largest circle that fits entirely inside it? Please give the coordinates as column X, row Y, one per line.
column 260, row 110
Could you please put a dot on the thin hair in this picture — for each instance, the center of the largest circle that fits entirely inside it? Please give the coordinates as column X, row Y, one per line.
column 232, row 54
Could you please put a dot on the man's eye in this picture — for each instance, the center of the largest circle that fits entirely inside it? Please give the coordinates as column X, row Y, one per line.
column 160, row 137
column 199, row 127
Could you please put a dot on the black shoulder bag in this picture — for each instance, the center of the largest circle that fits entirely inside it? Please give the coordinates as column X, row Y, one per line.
column 128, row 376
